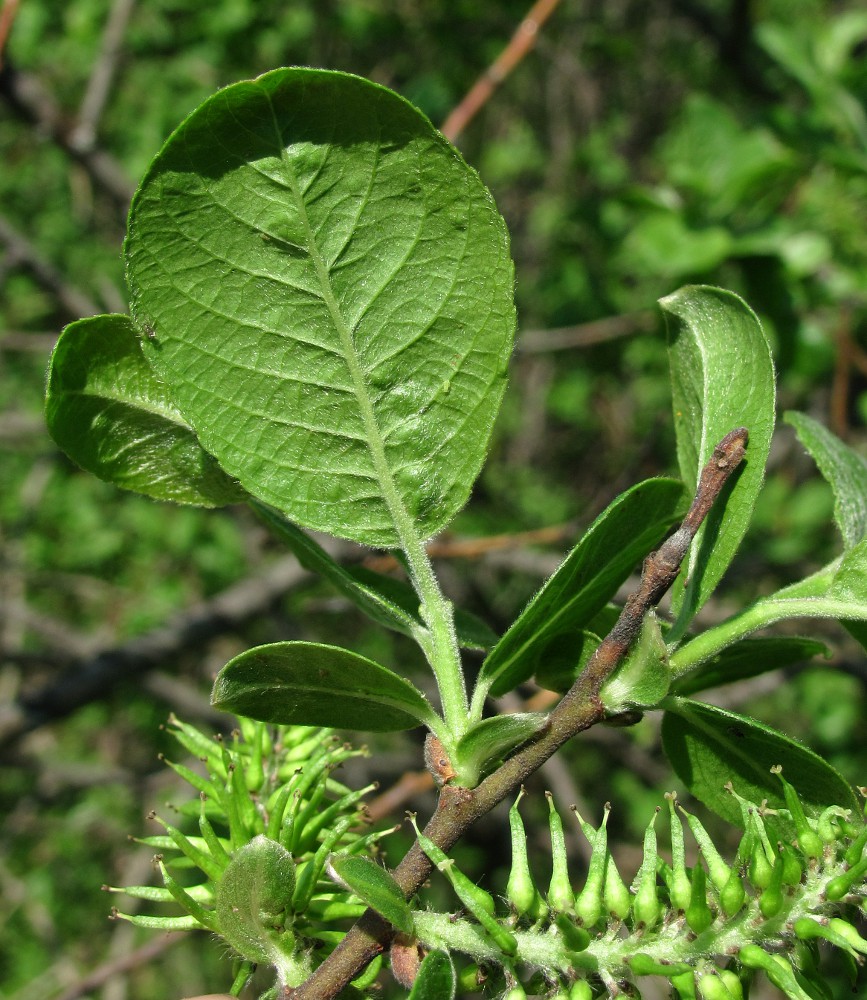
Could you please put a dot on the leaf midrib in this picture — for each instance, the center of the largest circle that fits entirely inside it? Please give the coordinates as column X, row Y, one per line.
column 402, row 522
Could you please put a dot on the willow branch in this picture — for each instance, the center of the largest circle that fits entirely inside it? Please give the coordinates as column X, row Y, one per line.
column 480, row 93
column 459, row 808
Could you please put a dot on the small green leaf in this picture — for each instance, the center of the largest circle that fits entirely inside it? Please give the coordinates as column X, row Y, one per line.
column 749, row 658
column 330, row 293
column 844, row 469
column 109, row 413
column 709, row 747
column 252, row 895
column 610, row 550
column 310, row 684
column 490, row 740
column 374, row 886
column 722, row 378
column 643, row 679
column 436, row 979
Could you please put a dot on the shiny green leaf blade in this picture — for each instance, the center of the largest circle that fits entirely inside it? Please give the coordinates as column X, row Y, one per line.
column 374, row 886
column 492, row 739
column 709, row 747
column 309, row 684
column 610, row 550
column 749, row 658
column 722, row 378
column 110, row 414
column 329, row 291
column 844, row 469
column 436, row 979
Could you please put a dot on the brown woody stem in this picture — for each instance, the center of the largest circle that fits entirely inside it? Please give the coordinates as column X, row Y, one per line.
column 459, row 808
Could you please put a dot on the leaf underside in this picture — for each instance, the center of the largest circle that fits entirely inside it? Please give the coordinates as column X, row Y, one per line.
column 327, row 288
column 110, row 414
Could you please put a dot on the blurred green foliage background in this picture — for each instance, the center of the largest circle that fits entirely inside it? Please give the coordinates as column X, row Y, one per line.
column 636, row 148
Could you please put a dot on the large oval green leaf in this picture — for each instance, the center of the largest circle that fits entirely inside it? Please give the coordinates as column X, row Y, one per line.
column 327, row 291
column 105, row 408
column 311, row 684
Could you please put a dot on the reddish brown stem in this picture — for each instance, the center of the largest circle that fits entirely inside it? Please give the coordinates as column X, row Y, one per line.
column 480, row 93
column 459, row 808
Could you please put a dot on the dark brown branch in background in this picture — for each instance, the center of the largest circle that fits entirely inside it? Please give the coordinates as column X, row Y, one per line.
column 31, row 102
column 459, row 808
column 480, row 93
column 597, row 331
column 97, row 676
column 122, row 965
column 20, row 252
column 83, row 136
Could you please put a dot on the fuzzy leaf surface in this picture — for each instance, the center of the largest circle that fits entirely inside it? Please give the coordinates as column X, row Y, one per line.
column 106, row 409
column 722, row 378
column 374, row 886
column 491, row 739
column 708, row 747
column 256, row 885
column 311, row 684
column 844, row 469
column 587, row 579
column 329, row 289
column 436, row 978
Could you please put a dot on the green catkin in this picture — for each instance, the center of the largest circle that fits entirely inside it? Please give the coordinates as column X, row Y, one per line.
column 521, row 891
column 580, row 990
column 809, row 842
column 718, row 870
column 646, row 907
column 679, row 888
column 698, row 914
column 561, row 899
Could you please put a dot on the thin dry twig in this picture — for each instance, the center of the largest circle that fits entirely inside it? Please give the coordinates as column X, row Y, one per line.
column 480, row 93
column 22, row 253
column 123, row 964
column 28, row 99
column 83, row 136
column 7, row 19
column 95, row 677
column 459, row 808
column 597, row 331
